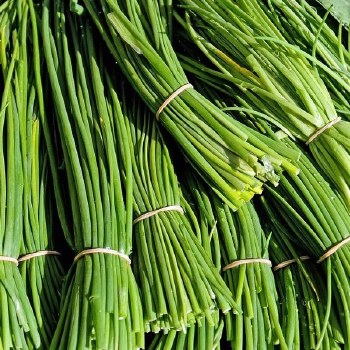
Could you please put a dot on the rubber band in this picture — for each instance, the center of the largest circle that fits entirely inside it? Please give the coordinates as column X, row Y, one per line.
column 332, row 250
column 9, row 259
column 318, row 132
column 172, row 97
column 247, row 261
column 286, row 263
column 104, row 251
column 149, row 214
column 37, row 254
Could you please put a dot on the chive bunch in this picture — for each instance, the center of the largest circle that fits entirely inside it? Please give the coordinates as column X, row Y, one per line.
column 18, row 325
column 202, row 334
column 240, row 237
column 319, row 37
column 42, row 275
column 314, row 214
column 302, row 291
column 233, row 161
column 179, row 284
column 273, row 78
column 100, row 300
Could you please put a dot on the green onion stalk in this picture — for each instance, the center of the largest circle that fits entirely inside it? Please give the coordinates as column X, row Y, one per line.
column 274, row 79
column 42, row 274
column 316, row 217
column 100, row 305
column 240, row 238
column 179, row 284
column 202, row 334
column 232, row 160
column 302, row 291
column 318, row 37
column 18, row 325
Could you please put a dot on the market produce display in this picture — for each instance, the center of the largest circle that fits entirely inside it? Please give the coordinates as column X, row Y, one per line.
column 174, row 174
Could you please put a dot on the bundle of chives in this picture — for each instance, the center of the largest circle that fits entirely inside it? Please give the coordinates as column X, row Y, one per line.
column 179, row 284
column 18, row 326
column 233, row 161
column 247, row 272
column 315, row 34
column 100, row 306
column 201, row 335
column 302, row 291
column 243, row 238
column 39, row 265
column 274, row 79
column 316, row 216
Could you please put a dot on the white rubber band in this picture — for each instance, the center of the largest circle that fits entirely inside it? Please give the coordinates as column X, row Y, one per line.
column 149, row 214
column 9, row 259
column 172, row 97
column 104, row 251
column 38, row 253
column 333, row 249
column 286, row 263
column 247, row 261
column 318, row 132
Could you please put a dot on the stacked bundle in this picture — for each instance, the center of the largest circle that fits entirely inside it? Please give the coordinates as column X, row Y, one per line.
column 272, row 77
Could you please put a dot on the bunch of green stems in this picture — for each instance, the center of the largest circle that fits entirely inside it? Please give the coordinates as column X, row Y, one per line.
column 101, row 306
column 43, row 274
column 272, row 77
column 318, row 36
column 240, row 238
column 179, row 284
column 315, row 216
column 202, row 335
column 18, row 324
column 232, row 159
column 302, row 291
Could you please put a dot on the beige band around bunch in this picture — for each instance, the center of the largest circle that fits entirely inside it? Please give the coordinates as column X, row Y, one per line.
column 286, row 263
column 9, row 259
column 37, row 254
column 318, row 132
column 102, row 251
column 28, row 256
column 176, row 93
column 247, row 261
column 333, row 249
column 149, row 214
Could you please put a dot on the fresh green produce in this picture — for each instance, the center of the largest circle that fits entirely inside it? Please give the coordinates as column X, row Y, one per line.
column 233, row 160
column 179, row 284
column 315, row 216
column 134, row 137
column 302, row 291
column 242, row 238
column 101, row 307
column 246, row 268
column 202, row 334
column 318, row 37
column 42, row 274
column 198, row 336
column 18, row 325
column 272, row 78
